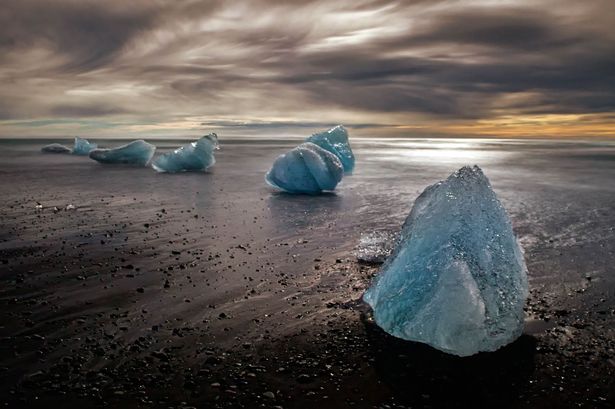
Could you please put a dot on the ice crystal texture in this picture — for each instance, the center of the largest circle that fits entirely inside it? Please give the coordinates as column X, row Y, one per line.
column 375, row 247
column 457, row 279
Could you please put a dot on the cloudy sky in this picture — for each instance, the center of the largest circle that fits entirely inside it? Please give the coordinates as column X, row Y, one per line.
column 154, row 68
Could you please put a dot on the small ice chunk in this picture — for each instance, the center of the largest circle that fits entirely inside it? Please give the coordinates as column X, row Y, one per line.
column 457, row 279
column 83, row 146
column 335, row 140
column 198, row 155
column 135, row 153
column 55, row 148
column 305, row 169
column 375, row 247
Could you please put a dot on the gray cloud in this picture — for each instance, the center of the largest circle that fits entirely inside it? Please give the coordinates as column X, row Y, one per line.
column 523, row 29
column 89, row 33
column 271, row 63
column 93, row 110
column 287, row 124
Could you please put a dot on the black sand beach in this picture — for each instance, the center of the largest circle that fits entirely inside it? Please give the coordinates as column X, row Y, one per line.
column 212, row 291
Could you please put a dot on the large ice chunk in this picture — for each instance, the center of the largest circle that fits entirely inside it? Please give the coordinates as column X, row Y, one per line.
column 457, row 279
column 335, row 140
column 83, row 146
column 197, row 155
column 306, row 169
column 55, row 148
column 135, row 153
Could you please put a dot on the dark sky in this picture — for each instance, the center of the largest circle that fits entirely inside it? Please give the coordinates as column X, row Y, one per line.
column 122, row 68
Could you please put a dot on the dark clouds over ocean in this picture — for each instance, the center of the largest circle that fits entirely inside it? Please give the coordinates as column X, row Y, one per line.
column 434, row 67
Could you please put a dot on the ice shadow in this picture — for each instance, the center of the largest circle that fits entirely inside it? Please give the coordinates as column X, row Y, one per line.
column 304, row 210
column 421, row 376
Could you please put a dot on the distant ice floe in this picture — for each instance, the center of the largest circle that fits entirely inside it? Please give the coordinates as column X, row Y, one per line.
column 137, row 153
column 196, row 156
column 83, row 147
column 55, row 148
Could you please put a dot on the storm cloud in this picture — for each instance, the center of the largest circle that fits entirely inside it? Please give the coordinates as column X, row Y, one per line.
column 413, row 68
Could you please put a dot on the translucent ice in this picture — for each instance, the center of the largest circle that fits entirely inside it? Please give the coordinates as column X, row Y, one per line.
column 55, row 148
column 83, row 146
column 197, row 155
column 457, row 279
column 135, row 153
column 375, row 247
column 306, row 169
column 335, row 140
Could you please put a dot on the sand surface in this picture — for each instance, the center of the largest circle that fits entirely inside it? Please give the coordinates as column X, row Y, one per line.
column 211, row 290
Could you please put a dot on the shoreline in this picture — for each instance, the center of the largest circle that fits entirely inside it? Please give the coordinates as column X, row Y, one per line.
column 211, row 290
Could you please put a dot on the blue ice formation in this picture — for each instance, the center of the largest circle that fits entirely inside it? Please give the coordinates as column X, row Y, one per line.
column 457, row 279
column 135, row 153
column 305, row 169
column 83, row 146
column 335, row 140
column 197, row 155
column 55, row 148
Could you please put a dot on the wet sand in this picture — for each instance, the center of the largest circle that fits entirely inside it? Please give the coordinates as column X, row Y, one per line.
column 210, row 290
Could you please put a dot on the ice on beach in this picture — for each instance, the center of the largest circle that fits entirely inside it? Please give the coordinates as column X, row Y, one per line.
column 83, row 146
column 335, row 140
column 306, row 169
column 198, row 155
column 135, row 153
column 55, row 148
column 375, row 247
column 457, row 279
